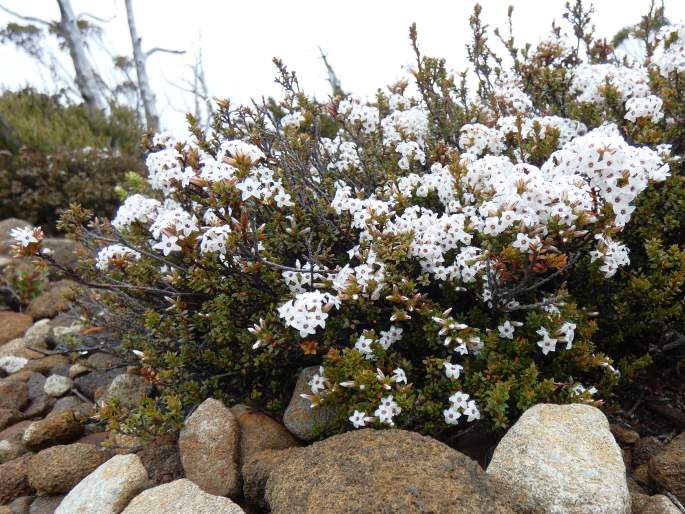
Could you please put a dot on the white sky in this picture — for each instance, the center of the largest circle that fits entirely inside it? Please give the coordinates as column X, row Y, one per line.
column 366, row 40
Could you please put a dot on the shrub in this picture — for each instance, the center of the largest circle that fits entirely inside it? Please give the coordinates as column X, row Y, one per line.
column 49, row 124
column 53, row 154
column 420, row 246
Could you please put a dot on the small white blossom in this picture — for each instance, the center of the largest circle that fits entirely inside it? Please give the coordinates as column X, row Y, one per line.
column 360, row 419
column 452, row 370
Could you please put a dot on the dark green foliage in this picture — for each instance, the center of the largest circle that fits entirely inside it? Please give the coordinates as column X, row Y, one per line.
column 52, row 154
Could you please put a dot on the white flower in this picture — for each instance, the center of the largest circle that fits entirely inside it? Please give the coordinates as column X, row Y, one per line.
column 566, row 333
column 399, row 376
column 292, row 119
column 307, row 311
column 390, row 336
column 452, row 370
column 318, row 381
column 24, row 236
column 459, row 399
column 363, row 346
column 359, row 419
column 451, row 415
column 214, row 239
column 167, row 245
column 471, row 411
column 547, row 344
column 250, row 188
column 237, row 148
column 506, row 330
column 117, row 253
column 647, row 107
column 387, row 410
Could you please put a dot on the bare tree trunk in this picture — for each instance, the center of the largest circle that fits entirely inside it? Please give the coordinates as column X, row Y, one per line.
column 86, row 78
column 202, row 91
column 139, row 58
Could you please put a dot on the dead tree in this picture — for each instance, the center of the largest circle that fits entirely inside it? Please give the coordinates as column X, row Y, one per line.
column 197, row 87
column 86, row 80
column 333, row 79
column 67, row 28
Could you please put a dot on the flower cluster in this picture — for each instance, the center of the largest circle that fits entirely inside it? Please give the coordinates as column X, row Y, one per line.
column 649, row 107
column 115, row 255
column 672, row 57
column 590, row 81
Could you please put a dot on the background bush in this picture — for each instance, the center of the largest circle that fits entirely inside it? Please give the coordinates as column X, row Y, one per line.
column 53, row 153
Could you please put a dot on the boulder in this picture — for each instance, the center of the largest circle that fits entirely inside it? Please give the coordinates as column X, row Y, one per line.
column 13, row 479
column 46, row 504
column 91, row 382
column 59, row 428
column 21, row 376
column 303, row 421
column 101, row 360
column 46, row 363
column 180, row 497
column 260, row 432
column 108, row 489
column 624, row 434
column 61, row 370
column 635, row 487
column 208, row 444
column 76, row 370
column 256, row 471
column 162, row 462
column 657, row 504
column 9, row 417
column 36, row 385
column 37, row 335
column 124, row 443
column 380, row 471
column 71, row 402
column 667, row 468
column 646, row 448
column 641, row 475
column 562, row 458
column 15, row 348
column 63, row 330
column 13, row 325
column 57, row 385
column 95, row 438
column 11, row 448
column 59, row 468
column 13, row 430
column 57, row 298
column 39, row 407
column 21, row 505
column 127, row 390
column 62, row 250
column 13, row 395
column 11, row 364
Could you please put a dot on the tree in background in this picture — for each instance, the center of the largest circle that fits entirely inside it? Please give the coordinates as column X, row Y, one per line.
column 77, row 34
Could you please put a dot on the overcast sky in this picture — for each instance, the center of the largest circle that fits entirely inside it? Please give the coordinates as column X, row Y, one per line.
column 366, row 40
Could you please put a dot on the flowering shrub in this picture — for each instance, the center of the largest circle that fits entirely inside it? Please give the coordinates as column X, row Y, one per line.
column 416, row 245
